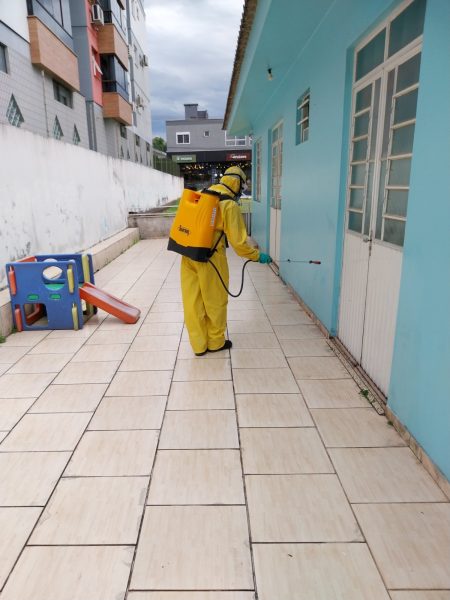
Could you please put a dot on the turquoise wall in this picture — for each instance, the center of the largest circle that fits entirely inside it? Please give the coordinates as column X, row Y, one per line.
column 313, row 186
column 313, row 192
column 420, row 383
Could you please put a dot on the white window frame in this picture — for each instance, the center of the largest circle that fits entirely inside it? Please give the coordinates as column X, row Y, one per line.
column 303, row 124
column 206, row 133
column 188, row 133
column 257, row 154
column 235, row 141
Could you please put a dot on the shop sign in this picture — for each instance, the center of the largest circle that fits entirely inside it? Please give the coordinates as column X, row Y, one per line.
column 184, row 158
column 238, row 156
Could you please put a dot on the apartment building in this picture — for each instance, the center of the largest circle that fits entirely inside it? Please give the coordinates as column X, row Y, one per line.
column 66, row 71
column 202, row 149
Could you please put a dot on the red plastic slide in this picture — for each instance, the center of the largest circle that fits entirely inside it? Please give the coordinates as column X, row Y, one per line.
column 114, row 306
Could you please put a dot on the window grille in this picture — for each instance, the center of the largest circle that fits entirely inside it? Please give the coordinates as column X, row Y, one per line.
column 57, row 131
column 302, row 133
column 13, row 113
column 76, row 136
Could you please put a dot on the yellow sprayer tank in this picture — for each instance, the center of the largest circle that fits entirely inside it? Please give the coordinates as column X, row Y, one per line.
column 193, row 228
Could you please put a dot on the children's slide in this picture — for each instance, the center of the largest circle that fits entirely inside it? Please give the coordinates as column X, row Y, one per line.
column 101, row 299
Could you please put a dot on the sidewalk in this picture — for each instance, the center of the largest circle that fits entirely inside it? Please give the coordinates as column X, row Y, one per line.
column 131, row 469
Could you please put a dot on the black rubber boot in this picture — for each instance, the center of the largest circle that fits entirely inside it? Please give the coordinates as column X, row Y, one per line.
column 228, row 344
column 200, row 353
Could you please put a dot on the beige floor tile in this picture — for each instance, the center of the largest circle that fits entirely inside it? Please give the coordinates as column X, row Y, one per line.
column 83, row 397
column 155, row 342
column 292, row 348
column 196, row 596
column 101, row 353
column 283, row 452
column 318, row 367
column 185, row 352
column 317, row 572
column 197, row 477
column 410, row 543
column 26, row 339
column 201, row 395
column 355, row 427
column 255, row 341
column 202, row 370
column 250, row 326
column 15, row 525
column 165, row 317
column 114, row 453
column 92, row 510
column 113, row 324
column 28, row 478
column 272, row 410
column 297, row 332
column 140, row 383
column 160, row 329
column 239, row 314
column 197, row 429
column 157, row 360
column 415, row 595
column 337, row 393
column 289, row 317
column 26, row 385
column 11, row 410
column 4, row 368
column 193, row 547
column 129, row 412
column 299, row 508
column 125, row 336
column 3, row 434
column 263, row 359
column 10, row 354
column 46, row 432
column 41, row 363
column 52, row 346
column 70, row 334
column 71, row 573
column 162, row 307
column 384, row 475
column 264, row 381
column 88, row 372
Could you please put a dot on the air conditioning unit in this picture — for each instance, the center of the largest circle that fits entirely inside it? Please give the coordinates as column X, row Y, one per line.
column 145, row 60
column 97, row 16
column 139, row 101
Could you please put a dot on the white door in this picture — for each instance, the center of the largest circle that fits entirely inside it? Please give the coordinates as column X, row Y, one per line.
column 383, row 121
column 276, row 166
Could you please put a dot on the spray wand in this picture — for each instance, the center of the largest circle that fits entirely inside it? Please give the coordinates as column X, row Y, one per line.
column 308, row 262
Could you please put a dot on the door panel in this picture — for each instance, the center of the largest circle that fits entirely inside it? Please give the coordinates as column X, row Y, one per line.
column 276, row 170
column 383, row 121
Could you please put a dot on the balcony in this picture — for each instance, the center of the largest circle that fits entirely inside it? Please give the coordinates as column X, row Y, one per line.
column 111, row 42
column 49, row 53
column 115, row 106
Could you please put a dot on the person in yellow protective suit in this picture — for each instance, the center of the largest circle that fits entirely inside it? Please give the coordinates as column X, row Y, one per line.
column 204, row 298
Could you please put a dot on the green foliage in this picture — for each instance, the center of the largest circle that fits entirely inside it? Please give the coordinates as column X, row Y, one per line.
column 364, row 392
column 159, row 144
column 2, row 339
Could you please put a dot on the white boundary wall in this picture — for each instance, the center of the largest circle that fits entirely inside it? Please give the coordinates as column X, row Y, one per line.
column 58, row 198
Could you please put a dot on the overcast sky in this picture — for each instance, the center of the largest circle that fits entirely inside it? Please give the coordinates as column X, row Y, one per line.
column 191, row 50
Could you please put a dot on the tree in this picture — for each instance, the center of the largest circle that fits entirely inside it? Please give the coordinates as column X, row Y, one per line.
column 159, row 144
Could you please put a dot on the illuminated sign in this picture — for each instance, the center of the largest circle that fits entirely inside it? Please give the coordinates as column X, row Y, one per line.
column 238, row 156
column 184, row 158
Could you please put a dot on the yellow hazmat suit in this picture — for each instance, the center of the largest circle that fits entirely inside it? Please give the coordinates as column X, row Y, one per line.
column 204, row 298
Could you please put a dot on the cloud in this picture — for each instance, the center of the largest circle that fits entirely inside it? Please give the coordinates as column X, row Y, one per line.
column 192, row 45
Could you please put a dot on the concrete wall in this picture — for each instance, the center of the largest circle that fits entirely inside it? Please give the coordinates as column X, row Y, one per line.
column 55, row 197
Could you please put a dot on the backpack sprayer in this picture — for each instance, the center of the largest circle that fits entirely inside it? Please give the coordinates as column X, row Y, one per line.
column 193, row 228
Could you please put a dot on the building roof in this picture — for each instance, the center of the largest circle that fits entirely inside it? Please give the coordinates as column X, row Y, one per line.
column 244, row 33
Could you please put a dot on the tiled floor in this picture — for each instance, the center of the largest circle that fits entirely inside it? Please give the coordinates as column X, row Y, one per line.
column 130, row 469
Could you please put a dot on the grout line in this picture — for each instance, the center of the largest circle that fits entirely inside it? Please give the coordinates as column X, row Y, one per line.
column 141, row 524
column 247, row 510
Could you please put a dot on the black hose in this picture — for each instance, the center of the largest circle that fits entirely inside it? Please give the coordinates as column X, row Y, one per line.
column 223, row 282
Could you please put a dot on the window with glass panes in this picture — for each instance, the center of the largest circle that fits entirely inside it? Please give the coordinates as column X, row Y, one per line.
column 183, row 137
column 302, row 131
column 3, row 63
column 385, row 92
